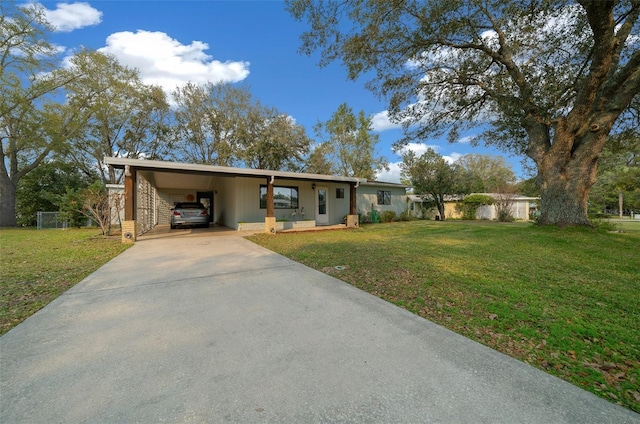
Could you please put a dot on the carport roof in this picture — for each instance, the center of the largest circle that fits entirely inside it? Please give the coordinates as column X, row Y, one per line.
column 190, row 168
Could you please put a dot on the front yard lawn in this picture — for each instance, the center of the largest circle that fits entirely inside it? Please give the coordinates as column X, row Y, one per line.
column 564, row 300
column 38, row 266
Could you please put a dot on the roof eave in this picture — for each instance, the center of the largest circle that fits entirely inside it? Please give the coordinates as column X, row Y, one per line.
column 120, row 163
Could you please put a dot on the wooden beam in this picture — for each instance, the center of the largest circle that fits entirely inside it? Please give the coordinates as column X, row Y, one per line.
column 270, row 206
column 352, row 199
column 129, row 193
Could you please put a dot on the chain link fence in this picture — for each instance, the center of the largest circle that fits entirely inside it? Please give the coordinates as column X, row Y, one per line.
column 52, row 220
column 49, row 220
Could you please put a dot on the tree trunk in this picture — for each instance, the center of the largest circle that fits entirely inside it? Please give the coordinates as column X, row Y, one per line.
column 441, row 210
column 567, row 166
column 566, row 175
column 620, row 204
column 563, row 201
column 7, row 202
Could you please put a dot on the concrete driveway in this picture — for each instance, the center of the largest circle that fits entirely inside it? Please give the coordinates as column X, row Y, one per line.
column 210, row 328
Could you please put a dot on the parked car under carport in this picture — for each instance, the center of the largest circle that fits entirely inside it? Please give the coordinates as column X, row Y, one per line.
column 189, row 214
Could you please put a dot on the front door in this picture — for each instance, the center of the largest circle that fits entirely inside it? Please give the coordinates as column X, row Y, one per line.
column 322, row 206
column 206, row 198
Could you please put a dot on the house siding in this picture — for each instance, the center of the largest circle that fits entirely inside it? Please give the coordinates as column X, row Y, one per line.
column 248, row 201
column 367, row 198
column 225, row 203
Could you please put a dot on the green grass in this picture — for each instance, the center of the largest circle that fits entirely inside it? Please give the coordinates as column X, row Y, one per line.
column 564, row 300
column 37, row 266
column 629, row 226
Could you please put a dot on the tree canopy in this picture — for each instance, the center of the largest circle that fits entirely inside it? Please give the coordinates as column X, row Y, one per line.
column 432, row 178
column 349, row 144
column 549, row 78
column 120, row 115
column 30, row 123
column 486, row 174
column 272, row 140
column 618, row 185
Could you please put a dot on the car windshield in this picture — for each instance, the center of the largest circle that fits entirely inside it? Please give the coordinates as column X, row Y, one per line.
column 193, row 205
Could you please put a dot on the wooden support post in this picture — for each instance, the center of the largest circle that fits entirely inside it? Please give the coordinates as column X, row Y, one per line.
column 129, row 193
column 130, row 188
column 352, row 218
column 352, row 199
column 270, row 220
column 270, row 207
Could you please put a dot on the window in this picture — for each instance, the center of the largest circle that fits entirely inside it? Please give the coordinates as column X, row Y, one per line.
column 339, row 193
column 384, row 197
column 283, row 197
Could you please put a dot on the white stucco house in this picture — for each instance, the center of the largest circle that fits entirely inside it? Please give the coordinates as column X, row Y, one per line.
column 247, row 199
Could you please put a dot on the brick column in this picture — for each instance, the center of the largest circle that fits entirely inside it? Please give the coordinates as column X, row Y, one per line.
column 128, row 231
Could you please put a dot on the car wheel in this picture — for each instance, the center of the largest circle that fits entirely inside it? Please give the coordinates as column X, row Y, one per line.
column 173, row 227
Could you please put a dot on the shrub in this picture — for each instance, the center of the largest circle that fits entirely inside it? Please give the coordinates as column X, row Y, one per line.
column 471, row 203
column 534, row 216
column 387, row 216
column 71, row 207
column 604, row 226
column 504, row 215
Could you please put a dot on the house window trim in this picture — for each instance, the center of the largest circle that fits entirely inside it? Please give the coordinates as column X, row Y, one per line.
column 339, row 193
column 264, row 205
column 386, row 197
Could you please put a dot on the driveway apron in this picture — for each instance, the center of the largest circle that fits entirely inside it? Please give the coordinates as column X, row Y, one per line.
column 214, row 329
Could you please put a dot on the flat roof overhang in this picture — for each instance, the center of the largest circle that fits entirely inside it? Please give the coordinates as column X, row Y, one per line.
column 175, row 175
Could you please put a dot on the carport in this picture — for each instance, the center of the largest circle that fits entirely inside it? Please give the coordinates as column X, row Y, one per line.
column 236, row 197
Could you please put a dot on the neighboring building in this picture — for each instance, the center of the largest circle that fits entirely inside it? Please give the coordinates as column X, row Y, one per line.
column 521, row 207
column 416, row 208
column 238, row 198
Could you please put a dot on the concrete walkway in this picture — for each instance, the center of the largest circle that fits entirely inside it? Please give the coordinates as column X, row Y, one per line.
column 210, row 328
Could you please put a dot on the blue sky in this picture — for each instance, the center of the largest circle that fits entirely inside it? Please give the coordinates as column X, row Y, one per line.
column 248, row 42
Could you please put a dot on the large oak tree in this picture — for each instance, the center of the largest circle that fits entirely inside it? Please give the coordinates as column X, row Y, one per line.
column 549, row 77
column 32, row 125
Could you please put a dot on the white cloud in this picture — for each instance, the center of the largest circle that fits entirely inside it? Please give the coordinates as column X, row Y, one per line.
column 381, row 122
column 466, row 140
column 168, row 63
column 392, row 175
column 452, row 157
column 418, row 148
column 67, row 17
